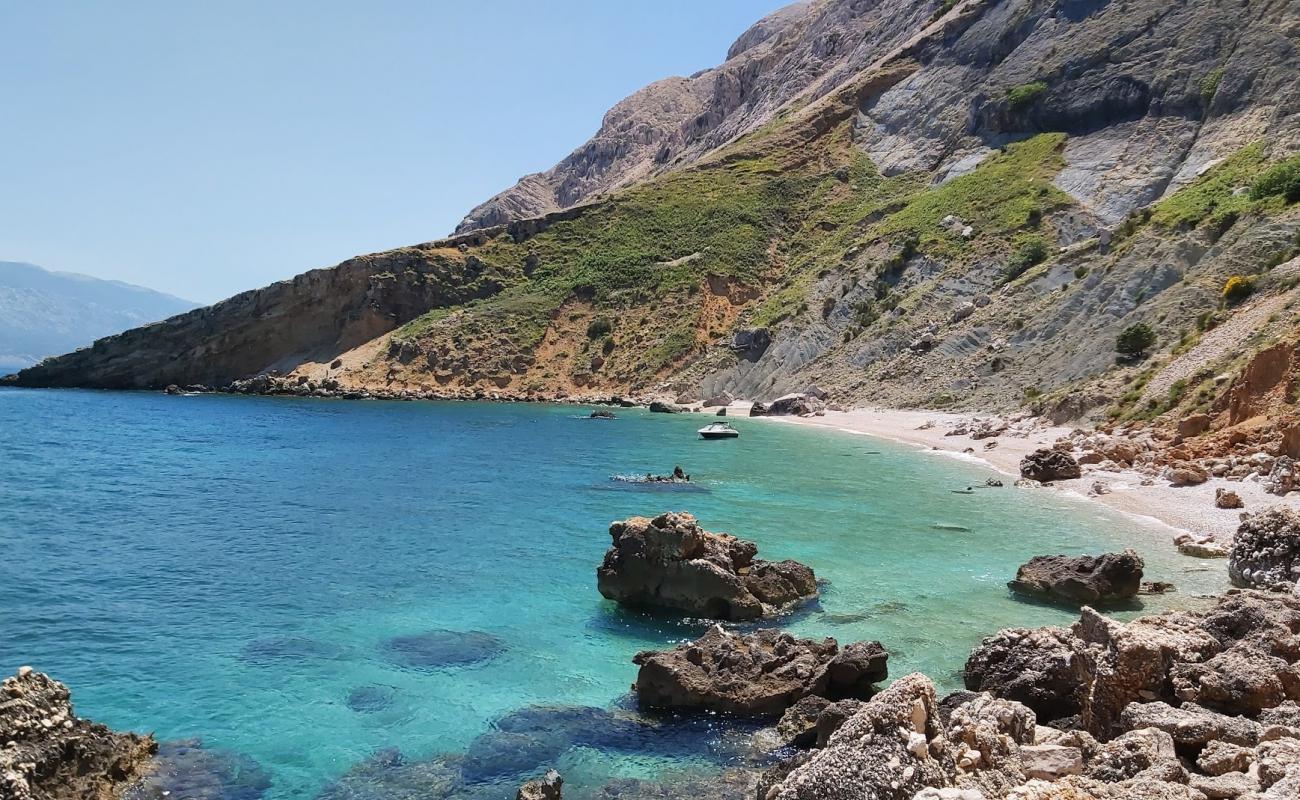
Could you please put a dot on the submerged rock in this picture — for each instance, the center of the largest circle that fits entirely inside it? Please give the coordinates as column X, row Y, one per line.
column 671, row 562
column 1266, row 551
column 277, row 649
column 438, row 649
column 1046, row 465
column 48, row 753
column 370, row 698
column 1081, row 579
column 188, row 770
column 388, row 775
column 757, row 674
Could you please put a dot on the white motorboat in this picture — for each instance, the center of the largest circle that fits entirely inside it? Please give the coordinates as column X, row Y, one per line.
column 718, row 430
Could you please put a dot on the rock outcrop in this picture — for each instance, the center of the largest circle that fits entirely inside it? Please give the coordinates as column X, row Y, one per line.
column 1046, row 465
column 52, row 754
column 1081, row 580
column 1266, row 551
column 1184, row 706
column 547, row 787
column 670, row 562
column 757, row 674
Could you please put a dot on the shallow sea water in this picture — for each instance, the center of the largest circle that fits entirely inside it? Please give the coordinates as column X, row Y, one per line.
column 306, row 583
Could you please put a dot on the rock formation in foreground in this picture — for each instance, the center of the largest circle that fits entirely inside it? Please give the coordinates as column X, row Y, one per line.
column 671, row 562
column 1048, row 465
column 757, row 674
column 1176, row 706
column 48, row 753
column 1081, row 580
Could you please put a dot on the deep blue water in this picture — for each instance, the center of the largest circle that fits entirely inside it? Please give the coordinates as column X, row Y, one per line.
column 290, row 580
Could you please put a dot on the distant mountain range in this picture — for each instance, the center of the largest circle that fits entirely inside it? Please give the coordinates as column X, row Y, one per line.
column 44, row 313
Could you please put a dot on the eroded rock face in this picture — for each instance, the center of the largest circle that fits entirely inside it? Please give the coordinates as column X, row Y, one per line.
column 1081, row 579
column 892, row 748
column 671, row 562
column 1046, row 465
column 757, row 674
column 1046, row 669
column 1266, row 551
column 51, row 754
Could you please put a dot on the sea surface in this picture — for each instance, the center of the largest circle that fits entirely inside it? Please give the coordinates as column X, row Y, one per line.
column 301, row 584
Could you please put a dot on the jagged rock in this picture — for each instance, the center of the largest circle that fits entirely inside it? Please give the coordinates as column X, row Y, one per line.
column 833, row 718
column 758, row 410
column 1189, row 545
column 1193, row 425
column 1240, row 680
column 1143, row 753
column 1279, row 764
column 1046, row 465
column 1266, row 550
column 795, row 405
column 798, row 725
column 664, row 407
column 762, row 673
column 1224, row 787
column 51, row 754
column 1282, row 477
column 1045, row 669
column 724, row 399
column 985, row 735
column 1227, row 498
column 1191, row 725
column 1219, row 757
column 891, row 749
column 547, row 787
column 671, row 562
column 1050, row 761
column 1185, row 474
column 1081, row 579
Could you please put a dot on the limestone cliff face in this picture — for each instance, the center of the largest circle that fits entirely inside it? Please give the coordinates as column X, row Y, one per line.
column 908, row 202
column 804, row 51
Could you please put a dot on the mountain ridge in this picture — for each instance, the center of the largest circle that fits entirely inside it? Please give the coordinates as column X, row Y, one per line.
column 48, row 312
column 963, row 213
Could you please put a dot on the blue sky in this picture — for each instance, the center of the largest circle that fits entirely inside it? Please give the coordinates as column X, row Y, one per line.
column 206, row 148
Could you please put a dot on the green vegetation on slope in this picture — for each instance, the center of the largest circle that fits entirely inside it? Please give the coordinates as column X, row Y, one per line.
column 1245, row 182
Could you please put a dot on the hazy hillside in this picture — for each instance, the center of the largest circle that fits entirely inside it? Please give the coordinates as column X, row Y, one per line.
column 936, row 203
column 45, row 313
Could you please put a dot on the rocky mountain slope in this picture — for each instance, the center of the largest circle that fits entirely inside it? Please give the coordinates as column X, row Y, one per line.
column 45, row 313
column 909, row 202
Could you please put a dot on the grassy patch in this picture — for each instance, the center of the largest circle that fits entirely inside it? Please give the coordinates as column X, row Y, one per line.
column 1214, row 198
column 1025, row 95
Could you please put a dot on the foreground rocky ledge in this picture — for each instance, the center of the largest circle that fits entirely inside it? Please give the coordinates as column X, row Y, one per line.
column 671, row 562
column 48, row 753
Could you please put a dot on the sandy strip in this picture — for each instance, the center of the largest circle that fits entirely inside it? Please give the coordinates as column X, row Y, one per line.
column 1161, row 507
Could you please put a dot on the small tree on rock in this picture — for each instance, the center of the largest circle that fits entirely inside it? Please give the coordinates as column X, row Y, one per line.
column 1135, row 340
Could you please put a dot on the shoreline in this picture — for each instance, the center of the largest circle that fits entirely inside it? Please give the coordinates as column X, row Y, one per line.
column 1155, row 504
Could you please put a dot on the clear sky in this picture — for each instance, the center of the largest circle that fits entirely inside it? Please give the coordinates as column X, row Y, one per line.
column 206, row 148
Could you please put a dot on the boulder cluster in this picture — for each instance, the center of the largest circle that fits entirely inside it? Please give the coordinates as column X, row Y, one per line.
column 47, row 751
column 1266, row 551
column 670, row 562
column 1178, row 706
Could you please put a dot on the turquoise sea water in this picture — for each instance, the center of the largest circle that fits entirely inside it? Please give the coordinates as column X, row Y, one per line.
column 243, row 570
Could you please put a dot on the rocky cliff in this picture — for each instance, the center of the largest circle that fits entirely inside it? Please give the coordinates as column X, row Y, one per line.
column 913, row 202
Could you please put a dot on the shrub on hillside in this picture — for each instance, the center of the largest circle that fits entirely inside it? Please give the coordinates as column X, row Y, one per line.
column 1282, row 179
column 1023, row 96
column 599, row 327
column 1135, row 340
column 1237, row 288
column 1030, row 250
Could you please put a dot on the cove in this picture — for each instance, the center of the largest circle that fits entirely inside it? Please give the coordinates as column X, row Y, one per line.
column 313, row 585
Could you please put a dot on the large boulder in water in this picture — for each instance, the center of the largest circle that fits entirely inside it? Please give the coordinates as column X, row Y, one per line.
column 761, row 673
column 1046, row 464
column 51, row 754
column 671, row 562
column 1266, row 551
column 547, row 787
column 1081, row 580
